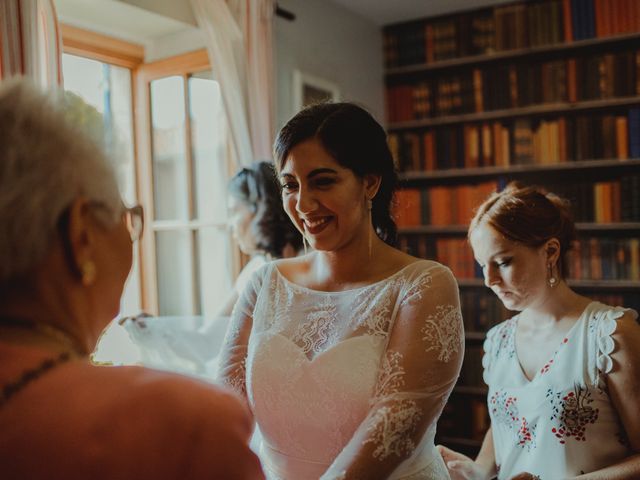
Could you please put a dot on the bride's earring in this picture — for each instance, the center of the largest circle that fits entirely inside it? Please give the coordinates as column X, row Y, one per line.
column 304, row 243
column 553, row 281
column 370, row 240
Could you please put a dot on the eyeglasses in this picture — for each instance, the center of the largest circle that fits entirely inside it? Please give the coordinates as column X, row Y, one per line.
column 134, row 220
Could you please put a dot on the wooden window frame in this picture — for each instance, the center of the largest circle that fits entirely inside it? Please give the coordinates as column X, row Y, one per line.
column 107, row 49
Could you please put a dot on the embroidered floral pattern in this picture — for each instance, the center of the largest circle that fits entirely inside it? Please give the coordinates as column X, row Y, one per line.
column 392, row 427
column 444, row 331
column 572, row 413
column 315, row 334
column 504, row 409
column 414, row 294
column 505, row 339
column 547, row 366
column 390, row 378
column 236, row 380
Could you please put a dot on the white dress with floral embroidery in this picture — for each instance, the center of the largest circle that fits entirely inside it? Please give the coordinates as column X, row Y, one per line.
column 561, row 423
column 356, row 377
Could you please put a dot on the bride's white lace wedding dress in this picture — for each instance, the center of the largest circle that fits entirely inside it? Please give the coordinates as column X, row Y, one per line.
column 347, row 384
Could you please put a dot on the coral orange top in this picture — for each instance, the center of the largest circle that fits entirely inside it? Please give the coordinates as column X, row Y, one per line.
column 82, row 421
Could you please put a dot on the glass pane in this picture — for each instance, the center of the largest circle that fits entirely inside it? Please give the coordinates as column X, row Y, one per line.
column 214, row 269
column 108, row 89
column 208, row 134
column 170, row 192
column 176, row 281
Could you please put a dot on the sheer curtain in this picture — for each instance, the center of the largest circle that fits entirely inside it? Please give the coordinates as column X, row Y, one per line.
column 30, row 42
column 239, row 43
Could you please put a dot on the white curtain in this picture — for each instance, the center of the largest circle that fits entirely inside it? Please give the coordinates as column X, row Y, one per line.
column 239, row 43
column 30, row 41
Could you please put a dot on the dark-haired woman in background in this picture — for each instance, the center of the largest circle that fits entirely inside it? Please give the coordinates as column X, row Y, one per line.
column 564, row 373
column 262, row 231
column 258, row 222
column 348, row 354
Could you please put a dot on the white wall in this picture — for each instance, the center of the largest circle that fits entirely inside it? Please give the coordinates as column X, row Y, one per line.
column 325, row 41
column 331, row 43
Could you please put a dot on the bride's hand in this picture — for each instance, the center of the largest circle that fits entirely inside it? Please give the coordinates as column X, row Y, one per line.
column 460, row 466
column 525, row 476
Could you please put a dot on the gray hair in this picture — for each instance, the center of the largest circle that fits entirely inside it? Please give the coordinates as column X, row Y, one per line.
column 47, row 160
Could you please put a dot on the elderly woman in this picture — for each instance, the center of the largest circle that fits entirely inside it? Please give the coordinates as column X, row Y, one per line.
column 65, row 253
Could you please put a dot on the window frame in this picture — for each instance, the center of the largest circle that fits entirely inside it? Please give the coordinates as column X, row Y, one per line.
column 107, row 49
column 180, row 65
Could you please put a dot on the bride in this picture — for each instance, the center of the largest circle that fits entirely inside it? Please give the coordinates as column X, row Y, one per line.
column 348, row 354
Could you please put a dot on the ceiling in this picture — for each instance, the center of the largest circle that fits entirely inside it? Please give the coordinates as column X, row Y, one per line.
column 384, row 12
column 122, row 19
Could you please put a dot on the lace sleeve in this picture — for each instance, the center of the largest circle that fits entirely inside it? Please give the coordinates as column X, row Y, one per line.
column 419, row 369
column 231, row 364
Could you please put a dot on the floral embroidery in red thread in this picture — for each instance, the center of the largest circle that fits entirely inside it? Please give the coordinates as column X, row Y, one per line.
column 572, row 413
column 547, row 365
column 504, row 409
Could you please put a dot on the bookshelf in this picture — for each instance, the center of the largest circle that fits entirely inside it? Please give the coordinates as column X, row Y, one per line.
column 546, row 92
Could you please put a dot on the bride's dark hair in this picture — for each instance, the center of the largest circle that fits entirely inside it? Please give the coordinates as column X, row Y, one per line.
column 356, row 141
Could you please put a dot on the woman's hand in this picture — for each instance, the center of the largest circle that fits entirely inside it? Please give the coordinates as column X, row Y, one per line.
column 525, row 476
column 136, row 319
column 460, row 466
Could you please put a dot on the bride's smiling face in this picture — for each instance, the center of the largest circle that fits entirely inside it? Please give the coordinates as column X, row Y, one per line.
column 325, row 200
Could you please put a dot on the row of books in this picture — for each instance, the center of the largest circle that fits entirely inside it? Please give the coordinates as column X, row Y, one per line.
column 471, row 373
column 440, row 205
column 516, row 26
column 520, row 141
column 600, row 202
column 481, row 309
column 592, row 258
column 516, row 85
column 605, row 259
column 603, row 202
column 464, row 417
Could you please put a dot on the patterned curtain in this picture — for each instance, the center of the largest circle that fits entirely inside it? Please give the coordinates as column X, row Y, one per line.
column 30, row 41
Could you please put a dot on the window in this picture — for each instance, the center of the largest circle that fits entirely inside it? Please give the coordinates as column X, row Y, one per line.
column 108, row 88
column 176, row 166
column 188, row 188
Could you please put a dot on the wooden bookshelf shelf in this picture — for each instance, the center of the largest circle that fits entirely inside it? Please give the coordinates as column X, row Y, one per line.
column 460, row 441
column 533, row 111
column 476, row 175
column 475, row 60
column 466, row 390
column 625, row 228
column 475, row 335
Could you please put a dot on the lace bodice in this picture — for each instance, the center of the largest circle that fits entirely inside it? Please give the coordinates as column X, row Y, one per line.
column 350, row 383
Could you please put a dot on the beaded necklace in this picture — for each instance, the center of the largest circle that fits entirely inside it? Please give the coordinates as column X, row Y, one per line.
column 10, row 389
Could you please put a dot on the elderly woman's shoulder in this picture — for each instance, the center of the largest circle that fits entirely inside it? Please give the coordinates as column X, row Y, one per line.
column 165, row 391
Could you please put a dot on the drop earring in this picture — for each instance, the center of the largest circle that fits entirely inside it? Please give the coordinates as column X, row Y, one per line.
column 304, row 244
column 88, row 273
column 553, row 281
column 370, row 240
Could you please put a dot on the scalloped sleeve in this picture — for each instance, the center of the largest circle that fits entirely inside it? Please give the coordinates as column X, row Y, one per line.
column 418, row 370
column 603, row 326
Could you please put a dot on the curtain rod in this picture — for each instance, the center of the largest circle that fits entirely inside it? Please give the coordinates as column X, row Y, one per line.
column 286, row 14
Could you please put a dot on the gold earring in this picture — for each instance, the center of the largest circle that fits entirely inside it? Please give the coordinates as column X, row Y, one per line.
column 553, row 281
column 88, row 272
column 370, row 206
